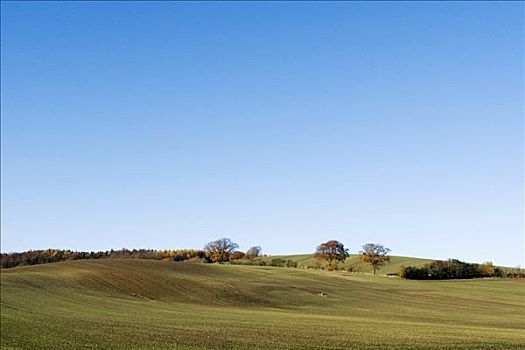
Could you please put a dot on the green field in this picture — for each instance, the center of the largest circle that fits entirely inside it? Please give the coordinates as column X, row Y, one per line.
column 148, row 304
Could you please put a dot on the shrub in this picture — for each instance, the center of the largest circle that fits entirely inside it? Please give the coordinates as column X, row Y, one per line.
column 179, row 257
column 488, row 269
column 402, row 273
column 353, row 269
column 236, row 255
column 291, row 263
column 455, row 269
column 331, row 266
column 277, row 262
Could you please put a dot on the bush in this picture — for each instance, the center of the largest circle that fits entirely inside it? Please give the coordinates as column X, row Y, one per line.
column 353, row 269
column 277, row 262
column 236, row 255
column 402, row 272
column 291, row 263
column 332, row 266
column 179, row 257
column 454, row 269
column 254, row 262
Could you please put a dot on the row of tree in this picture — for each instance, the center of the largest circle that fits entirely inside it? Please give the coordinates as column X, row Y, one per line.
column 221, row 250
column 455, row 269
column 225, row 250
column 376, row 255
column 333, row 252
column 278, row 262
column 34, row 257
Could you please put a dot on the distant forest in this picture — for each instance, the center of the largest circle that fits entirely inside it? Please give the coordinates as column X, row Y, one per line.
column 35, row 257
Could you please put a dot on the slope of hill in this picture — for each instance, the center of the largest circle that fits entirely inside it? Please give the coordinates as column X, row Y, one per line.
column 354, row 262
column 148, row 304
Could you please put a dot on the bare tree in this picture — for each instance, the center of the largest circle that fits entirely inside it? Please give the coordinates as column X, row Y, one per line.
column 375, row 254
column 220, row 250
column 253, row 252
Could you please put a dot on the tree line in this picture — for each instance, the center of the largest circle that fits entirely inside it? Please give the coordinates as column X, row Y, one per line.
column 219, row 251
column 35, row 257
column 329, row 256
column 455, row 269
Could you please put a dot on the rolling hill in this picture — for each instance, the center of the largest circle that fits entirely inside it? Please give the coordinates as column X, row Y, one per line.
column 354, row 262
column 149, row 304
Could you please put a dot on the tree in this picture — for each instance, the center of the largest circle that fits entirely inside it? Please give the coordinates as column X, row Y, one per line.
column 375, row 254
column 237, row 255
column 331, row 251
column 253, row 252
column 488, row 269
column 402, row 272
column 220, row 250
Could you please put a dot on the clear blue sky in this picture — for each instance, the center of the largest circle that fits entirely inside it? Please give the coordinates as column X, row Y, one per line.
column 167, row 125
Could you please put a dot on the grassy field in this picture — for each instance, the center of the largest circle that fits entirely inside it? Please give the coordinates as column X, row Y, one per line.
column 147, row 304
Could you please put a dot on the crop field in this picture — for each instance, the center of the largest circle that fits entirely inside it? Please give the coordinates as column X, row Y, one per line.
column 148, row 304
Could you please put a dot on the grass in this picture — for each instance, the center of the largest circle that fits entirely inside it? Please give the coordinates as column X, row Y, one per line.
column 147, row 304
